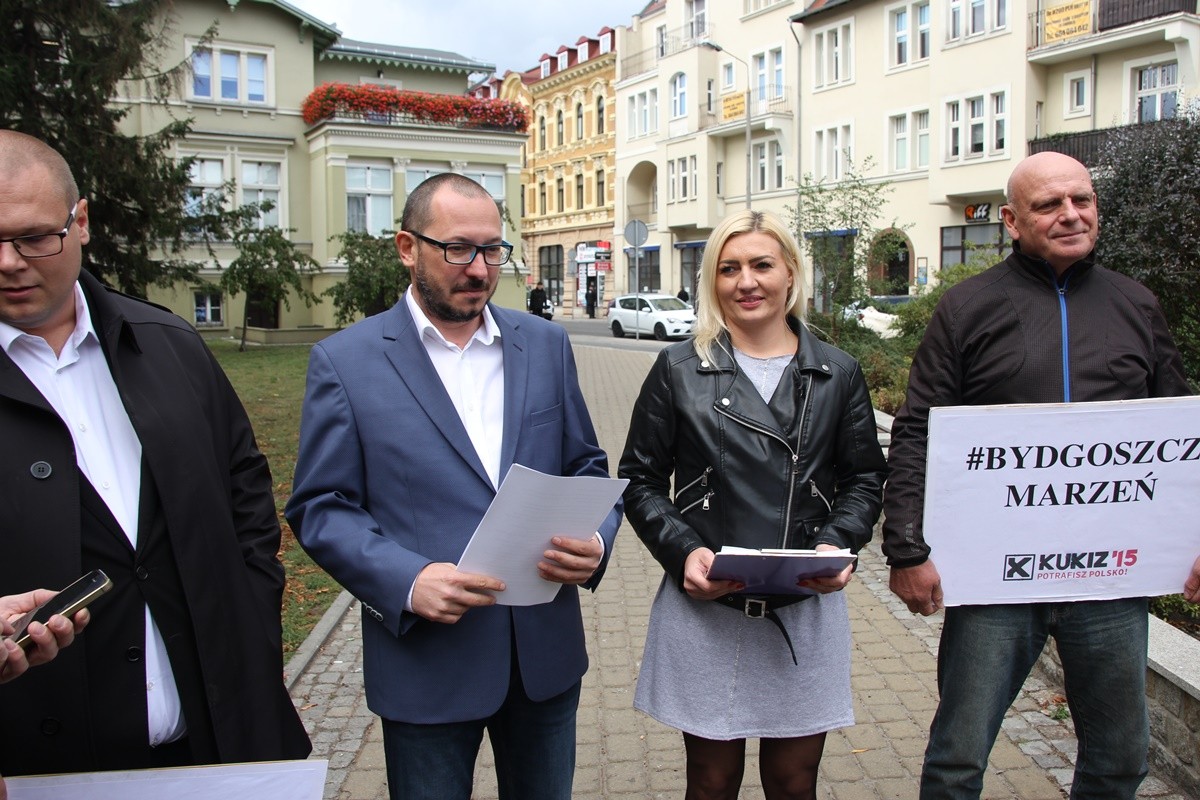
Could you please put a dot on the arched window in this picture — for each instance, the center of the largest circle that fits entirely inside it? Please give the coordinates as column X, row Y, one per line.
column 541, row 133
column 578, row 121
column 560, row 129
column 679, row 95
column 600, row 114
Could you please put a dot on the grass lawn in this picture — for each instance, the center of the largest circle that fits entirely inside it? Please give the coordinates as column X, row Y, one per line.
column 270, row 382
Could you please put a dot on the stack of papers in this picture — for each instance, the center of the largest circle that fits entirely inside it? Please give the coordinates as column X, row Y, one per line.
column 772, row 571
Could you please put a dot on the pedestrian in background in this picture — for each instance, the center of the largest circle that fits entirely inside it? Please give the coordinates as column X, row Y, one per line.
column 769, row 436
column 537, row 300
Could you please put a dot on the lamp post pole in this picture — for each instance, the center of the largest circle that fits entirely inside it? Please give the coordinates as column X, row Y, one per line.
column 711, row 45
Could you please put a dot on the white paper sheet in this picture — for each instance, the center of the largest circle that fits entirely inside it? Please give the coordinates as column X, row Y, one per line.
column 273, row 780
column 527, row 511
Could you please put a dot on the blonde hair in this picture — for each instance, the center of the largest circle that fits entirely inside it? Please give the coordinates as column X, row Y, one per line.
column 710, row 323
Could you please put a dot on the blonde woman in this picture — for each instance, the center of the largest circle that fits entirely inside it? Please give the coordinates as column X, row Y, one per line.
column 770, row 438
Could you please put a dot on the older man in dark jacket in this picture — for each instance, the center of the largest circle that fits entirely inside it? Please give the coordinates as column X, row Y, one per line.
column 1045, row 325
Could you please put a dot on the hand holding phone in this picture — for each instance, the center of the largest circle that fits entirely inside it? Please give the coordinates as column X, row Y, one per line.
column 69, row 602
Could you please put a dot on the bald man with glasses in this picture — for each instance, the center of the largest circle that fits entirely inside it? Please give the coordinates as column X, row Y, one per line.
column 126, row 450
column 411, row 420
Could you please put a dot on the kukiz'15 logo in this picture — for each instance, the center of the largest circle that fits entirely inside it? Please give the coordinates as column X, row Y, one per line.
column 1059, row 566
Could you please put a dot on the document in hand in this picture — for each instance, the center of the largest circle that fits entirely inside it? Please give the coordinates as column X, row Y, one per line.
column 777, row 571
column 518, row 525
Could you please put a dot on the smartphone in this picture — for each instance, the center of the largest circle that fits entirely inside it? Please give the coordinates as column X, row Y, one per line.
column 68, row 602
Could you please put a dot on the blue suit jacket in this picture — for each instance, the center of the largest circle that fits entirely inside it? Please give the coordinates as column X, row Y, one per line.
column 387, row 481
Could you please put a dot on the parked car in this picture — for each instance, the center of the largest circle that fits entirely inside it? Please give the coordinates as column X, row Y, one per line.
column 870, row 317
column 548, row 309
column 664, row 315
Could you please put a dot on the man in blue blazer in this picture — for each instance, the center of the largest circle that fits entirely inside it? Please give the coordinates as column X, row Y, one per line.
column 411, row 419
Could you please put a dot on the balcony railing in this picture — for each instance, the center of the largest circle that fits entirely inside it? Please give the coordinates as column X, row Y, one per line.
column 731, row 107
column 646, row 212
column 1085, row 146
column 386, row 105
column 669, row 43
column 1079, row 18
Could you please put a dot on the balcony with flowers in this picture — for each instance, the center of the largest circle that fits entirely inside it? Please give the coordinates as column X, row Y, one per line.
column 387, row 105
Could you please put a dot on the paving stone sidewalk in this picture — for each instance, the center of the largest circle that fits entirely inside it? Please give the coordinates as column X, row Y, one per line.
column 625, row 754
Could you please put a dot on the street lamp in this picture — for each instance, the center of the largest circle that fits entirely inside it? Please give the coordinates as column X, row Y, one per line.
column 711, row 45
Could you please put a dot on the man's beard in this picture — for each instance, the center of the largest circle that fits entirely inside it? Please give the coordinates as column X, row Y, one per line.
column 437, row 303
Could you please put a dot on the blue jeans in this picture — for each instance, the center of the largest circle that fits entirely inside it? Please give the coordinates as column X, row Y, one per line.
column 534, row 745
column 985, row 655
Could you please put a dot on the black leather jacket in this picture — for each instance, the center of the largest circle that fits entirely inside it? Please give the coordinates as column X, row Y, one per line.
column 743, row 477
column 1015, row 333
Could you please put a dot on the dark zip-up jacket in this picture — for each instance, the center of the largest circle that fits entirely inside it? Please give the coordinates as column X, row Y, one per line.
column 805, row 470
column 1017, row 333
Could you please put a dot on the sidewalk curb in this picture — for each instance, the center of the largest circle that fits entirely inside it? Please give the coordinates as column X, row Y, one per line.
column 308, row 648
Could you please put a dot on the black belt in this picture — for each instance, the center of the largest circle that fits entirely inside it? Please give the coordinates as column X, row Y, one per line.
column 763, row 607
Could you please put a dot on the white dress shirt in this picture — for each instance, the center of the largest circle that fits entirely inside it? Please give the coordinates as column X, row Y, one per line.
column 78, row 385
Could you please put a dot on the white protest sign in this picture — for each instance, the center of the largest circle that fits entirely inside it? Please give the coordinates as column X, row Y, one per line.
column 1063, row 501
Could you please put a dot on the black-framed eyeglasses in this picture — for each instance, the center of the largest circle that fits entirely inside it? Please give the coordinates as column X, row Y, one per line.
column 43, row 245
column 460, row 254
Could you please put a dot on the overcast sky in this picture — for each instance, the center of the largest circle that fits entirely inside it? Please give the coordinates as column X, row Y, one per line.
column 511, row 35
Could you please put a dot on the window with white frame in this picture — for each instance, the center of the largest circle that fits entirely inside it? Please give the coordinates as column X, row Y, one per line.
column 1156, row 91
column 975, row 18
column 679, row 96
column 833, row 151
column 559, row 129
column 909, row 136
column 898, row 126
column 207, row 179
column 208, row 309
column 660, row 41
column 672, row 186
column 999, row 121
column 908, row 26
column 776, row 165
column 369, row 197
column 695, row 18
column 226, row 73
column 768, row 74
column 545, row 73
column 564, row 60
column 600, row 114
column 541, row 133
column 727, row 76
column 921, row 126
column 976, row 126
column 581, row 53
column 684, row 179
column 560, row 195
column 1077, row 101
column 601, row 188
column 605, row 43
column 578, row 190
column 954, row 21
column 260, row 184
column 578, row 121
column 760, row 166
column 643, row 113
column 833, row 54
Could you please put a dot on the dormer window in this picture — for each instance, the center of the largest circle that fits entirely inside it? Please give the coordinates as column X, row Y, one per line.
column 582, row 53
column 546, row 68
column 605, row 42
column 564, row 60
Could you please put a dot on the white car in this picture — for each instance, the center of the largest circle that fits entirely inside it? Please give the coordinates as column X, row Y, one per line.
column 663, row 315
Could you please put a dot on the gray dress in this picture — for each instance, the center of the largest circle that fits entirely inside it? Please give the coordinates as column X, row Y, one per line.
column 710, row 671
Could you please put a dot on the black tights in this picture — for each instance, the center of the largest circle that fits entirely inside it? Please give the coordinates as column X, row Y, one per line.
column 788, row 767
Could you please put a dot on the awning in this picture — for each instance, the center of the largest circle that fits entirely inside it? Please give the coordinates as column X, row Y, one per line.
column 695, row 243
